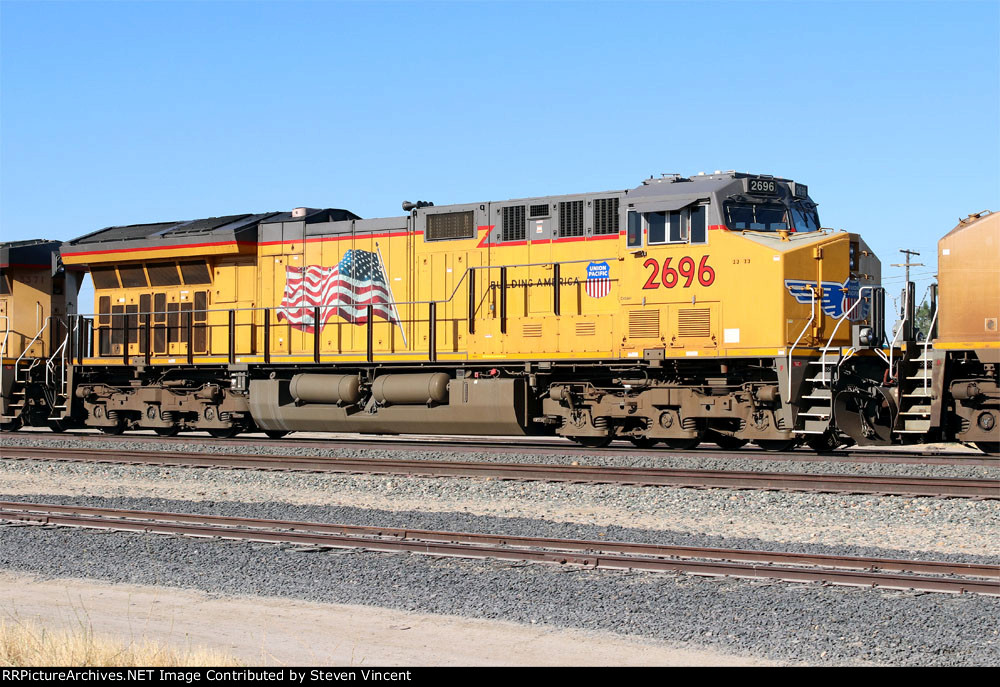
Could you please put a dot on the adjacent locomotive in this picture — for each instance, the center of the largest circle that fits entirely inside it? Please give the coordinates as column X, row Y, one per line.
column 34, row 303
column 966, row 343
column 686, row 309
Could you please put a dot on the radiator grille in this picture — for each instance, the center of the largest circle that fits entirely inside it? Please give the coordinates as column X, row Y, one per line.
column 450, row 225
column 571, row 218
column 531, row 331
column 694, row 322
column 513, row 223
column 644, row 324
column 606, row 216
column 586, row 328
column 539, row 210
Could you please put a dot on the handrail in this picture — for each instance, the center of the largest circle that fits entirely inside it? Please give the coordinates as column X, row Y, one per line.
column 3, row 347
column 840, row 322
column 812, row 318
column 427, row 302
column 17, row 363
column 899, row 329
column 58, row 353
column 458, row 285
column 927, row 342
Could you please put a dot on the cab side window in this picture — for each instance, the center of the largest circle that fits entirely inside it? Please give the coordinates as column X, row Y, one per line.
column 662, row 227
column 699, row 233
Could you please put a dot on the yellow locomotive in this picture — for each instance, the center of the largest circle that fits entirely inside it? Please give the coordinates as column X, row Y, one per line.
column 34, row 302
column 686, row 309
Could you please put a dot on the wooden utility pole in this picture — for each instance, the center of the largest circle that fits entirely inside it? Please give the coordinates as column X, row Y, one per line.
column 908, row 264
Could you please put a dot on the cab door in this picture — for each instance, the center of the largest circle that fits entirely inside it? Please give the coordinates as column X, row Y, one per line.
column 667, row 271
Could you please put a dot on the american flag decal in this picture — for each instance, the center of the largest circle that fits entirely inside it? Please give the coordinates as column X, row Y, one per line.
column 345, row 290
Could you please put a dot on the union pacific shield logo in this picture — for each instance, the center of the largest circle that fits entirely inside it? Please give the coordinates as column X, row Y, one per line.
column 598, row 279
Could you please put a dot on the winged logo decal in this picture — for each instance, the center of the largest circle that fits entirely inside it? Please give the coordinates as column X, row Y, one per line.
column 837, row 298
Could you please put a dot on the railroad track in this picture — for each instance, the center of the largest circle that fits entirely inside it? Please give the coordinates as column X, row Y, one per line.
column 540, row 446
column 931, row 576
column 785, row 481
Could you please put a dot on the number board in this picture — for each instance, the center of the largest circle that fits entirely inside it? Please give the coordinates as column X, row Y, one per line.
column 762, row 186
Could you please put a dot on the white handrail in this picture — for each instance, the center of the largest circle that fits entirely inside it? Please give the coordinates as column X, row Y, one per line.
column 812, row 317
column 840, row 322
column 59, row 352
column 927, row 342
column 17, row 363
column 899, row 329
column 3, row 347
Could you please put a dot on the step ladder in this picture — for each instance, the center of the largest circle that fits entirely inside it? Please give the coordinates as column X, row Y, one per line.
column 916, row 397
column 817, row 392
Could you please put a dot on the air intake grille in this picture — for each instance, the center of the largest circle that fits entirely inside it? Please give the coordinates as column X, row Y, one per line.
column 540, row 210
column 531, row 331
column 694, row 322
column 606, row 216
column 586, row 328
column 644, row 324
column 571, row 218
column 513, row 223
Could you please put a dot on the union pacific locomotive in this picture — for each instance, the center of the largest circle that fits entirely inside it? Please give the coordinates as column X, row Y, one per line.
column 710, row 308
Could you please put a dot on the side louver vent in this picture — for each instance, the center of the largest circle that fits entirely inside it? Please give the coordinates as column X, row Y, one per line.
column 586, row 328
column 694, row 322
column 644, row 324
column 606, row 216
column 571, row 218
column 513, row 223
column 531, row 331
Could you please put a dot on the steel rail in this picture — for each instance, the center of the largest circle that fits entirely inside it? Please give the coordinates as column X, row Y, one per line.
column 541, row 446
column 854, row 484
column 851, row 570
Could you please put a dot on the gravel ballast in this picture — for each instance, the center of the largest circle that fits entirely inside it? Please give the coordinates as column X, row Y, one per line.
column 948, row 526
column 665, row 459
column 775, row 620
column 762, row 618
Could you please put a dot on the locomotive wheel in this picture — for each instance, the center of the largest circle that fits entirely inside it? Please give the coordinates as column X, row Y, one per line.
column 11, row 426
column 114, row 429
column 776, row 445
column 275, row 433
column 225, row 432
column 823, row 443
column 643, row 442
column 167, row 431
column 682, row 444
column 593, row 442
column 729, row 443
column 57, row 426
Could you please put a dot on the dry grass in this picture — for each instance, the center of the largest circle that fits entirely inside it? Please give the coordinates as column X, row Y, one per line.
column 27, row 644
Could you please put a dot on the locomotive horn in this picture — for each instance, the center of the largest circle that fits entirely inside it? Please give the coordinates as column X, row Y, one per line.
column 407, row 205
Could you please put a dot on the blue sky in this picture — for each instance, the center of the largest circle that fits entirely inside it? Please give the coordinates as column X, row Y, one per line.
column 116, row 113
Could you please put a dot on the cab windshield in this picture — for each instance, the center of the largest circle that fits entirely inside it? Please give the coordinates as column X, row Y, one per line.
column 743, row 216
column 756, row 217
column 805, row 217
